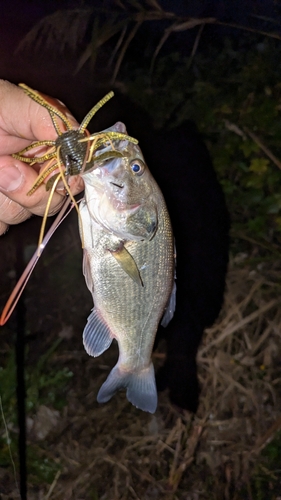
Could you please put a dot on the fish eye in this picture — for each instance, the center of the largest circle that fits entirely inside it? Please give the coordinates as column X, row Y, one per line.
column 137, row 167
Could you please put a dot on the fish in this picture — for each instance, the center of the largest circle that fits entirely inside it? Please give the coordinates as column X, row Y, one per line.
column 129, row 267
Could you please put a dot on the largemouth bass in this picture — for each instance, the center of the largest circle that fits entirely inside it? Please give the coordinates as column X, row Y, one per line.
column 129, row 268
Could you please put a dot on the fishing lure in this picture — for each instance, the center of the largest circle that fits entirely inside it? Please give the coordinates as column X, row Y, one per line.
column 73, row 152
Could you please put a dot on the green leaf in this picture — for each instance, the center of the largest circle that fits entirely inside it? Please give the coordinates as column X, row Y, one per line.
column 248, row 147
column 259, row 165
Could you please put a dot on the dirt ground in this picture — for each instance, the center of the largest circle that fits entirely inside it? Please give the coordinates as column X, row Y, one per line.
column 116, row 452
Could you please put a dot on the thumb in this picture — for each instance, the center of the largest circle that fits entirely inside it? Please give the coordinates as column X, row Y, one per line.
column 16, row 179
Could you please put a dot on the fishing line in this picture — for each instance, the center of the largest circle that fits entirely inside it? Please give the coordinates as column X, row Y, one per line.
column 8, row 441
column 20, row 377
column 16, row 300
column 17, row 291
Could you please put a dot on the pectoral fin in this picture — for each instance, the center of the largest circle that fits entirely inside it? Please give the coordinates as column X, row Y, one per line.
column 126, row 261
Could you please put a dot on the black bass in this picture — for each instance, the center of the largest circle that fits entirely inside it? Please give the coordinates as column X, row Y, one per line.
column 128, row 267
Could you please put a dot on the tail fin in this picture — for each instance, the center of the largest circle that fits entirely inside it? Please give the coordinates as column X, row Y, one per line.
column 141, row 387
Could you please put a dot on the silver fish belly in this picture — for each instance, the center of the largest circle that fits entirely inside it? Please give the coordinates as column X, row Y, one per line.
column 129, row 269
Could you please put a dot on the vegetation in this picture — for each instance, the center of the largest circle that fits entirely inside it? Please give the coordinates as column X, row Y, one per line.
column 229, row 87
column 234, row 96
column 231, row 450
column 46, row 385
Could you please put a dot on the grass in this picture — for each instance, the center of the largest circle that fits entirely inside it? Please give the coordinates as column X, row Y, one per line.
column 230, row 450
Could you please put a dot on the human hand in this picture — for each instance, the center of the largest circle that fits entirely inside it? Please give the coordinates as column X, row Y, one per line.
column 23, row 121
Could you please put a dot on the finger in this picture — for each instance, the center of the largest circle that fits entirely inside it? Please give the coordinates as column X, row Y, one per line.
column 16, row 179
column 34, row 123
column 76, row 184
column 11, row 213
column 3, row 228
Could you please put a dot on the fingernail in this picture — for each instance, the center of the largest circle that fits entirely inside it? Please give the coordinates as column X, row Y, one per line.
column 10, row 178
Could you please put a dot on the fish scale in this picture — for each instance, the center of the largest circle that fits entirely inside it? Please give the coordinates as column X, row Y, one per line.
column 124, row 308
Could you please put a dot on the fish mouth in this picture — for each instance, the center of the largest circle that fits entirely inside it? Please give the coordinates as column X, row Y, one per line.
column 120, row 186
column 125, row 207
column 120, row 205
